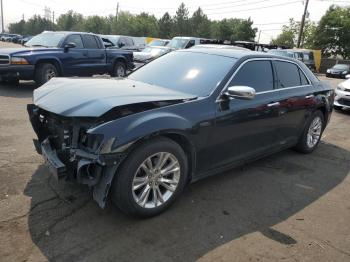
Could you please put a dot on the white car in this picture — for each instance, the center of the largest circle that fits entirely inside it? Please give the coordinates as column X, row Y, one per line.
column 342, row 95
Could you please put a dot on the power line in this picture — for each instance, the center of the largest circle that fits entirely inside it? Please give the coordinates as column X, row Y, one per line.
column 257, row 8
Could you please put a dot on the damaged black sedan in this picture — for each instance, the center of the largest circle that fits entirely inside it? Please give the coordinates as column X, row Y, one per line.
column 182, row 117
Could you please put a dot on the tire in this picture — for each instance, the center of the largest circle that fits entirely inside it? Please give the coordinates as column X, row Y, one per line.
column 305, row 145
column 44, row 72
column 119, row 69
column 126, row 198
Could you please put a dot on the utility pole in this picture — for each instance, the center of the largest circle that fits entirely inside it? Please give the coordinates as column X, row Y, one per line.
column 259, row 37
column 117, row 11
column 302, row 23
column 2, row 19
column 23, row 17
column 53, row 17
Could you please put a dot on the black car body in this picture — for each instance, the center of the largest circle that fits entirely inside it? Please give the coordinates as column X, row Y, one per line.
column 53, row 54
column 306, row 56
column 338, row 70
column 90, row 128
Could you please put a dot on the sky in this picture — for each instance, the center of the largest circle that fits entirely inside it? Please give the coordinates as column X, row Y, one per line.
column 268, row 15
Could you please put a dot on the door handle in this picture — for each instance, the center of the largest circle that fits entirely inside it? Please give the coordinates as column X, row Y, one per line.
column 309, row 96
column 273, row 104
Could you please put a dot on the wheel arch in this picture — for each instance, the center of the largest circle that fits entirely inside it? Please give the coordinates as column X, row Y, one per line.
column 53, row 61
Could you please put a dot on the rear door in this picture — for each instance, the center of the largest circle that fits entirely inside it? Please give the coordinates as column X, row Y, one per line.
column 247, row 128
column 297, row 99
column 96, row 55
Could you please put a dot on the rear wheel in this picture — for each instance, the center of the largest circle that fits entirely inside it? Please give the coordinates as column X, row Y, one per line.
column 151, row 178
column 312, row 133
column 119, row 69
column 44, row 72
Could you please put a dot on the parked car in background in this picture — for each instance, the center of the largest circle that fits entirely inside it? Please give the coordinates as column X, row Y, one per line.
column 52, row 54
column 159, row 42
column 150, row 53
column 120, row 42
column 140, row 42
column 342, row 95
column 220, row 47
column 306, row 56
column 184, row 116
column 183, row 42
column 338, row 70
column 25, row 39
column 17, row 39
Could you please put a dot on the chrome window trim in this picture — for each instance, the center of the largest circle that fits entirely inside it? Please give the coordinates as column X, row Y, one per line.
column 263, row 92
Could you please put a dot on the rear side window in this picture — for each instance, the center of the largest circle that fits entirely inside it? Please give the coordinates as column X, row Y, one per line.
column 90, row 42
column 255, row 74
column 288, row 74
column 76, row 39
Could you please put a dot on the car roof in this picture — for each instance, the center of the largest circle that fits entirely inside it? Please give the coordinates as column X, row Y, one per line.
column 235, row 53
column 68, row 32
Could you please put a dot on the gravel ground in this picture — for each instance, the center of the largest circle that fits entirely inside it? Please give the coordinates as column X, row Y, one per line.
column 288, row 206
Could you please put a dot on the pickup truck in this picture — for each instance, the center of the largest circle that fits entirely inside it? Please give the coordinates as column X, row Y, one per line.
column 52, row 54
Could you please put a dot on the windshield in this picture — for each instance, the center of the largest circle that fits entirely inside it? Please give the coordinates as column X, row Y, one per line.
column 341, row 67
column 281, row 53
column 156, row 43
column 188, row 72
column 178, row 43
column 46, row 40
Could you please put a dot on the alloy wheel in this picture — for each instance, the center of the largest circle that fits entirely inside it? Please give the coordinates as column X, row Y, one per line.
column 314, row 132
column 156, row 180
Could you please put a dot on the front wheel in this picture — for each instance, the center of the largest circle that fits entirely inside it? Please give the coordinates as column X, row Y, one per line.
column 312, row 133
column 119, row 69
column 151, row 178
column 44, row 72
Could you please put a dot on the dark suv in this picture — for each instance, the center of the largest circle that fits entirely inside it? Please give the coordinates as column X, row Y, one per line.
column 146, row 136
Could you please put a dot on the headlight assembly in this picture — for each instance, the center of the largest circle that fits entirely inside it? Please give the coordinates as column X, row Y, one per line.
column 19, row 61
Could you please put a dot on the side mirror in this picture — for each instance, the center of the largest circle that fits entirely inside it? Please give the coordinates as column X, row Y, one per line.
column 106, row 44
column 68, row 46
column 241, row 92
column 347, row 76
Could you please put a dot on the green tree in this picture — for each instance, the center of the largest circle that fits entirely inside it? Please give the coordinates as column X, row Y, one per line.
column 286, row 38
column 200, row 24
column 144, row 25
column 242, row 29
column 71, row 21
column 333, row 32
column 97, row 24
column 17, row 28
column 122, row 26
column 181, row 21
column 165, row 25
column 37, row 25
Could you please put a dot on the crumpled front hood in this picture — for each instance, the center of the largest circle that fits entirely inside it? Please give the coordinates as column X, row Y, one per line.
column 89, row 97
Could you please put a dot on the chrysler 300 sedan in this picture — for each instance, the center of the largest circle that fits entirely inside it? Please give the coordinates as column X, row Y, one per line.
column 180, row 118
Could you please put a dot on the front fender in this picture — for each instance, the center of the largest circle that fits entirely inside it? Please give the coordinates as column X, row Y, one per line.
column 128, row 129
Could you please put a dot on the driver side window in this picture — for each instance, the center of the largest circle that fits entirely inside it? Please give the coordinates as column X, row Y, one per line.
column 76, row 39
column 255, row 74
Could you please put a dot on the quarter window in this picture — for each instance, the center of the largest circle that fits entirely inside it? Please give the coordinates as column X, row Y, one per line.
column 90, row 42
column 76, row 39
column 303, row 78
column 288, row 74
column 255, row 74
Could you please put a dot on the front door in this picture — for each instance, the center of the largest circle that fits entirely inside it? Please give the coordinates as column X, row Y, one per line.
column 247, row 128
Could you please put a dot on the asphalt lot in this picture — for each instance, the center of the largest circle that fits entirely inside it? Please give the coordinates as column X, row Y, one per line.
column 286, row 207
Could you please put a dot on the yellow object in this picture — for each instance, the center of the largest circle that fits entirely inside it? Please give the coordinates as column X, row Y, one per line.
column 149, row 39
column 18, row 61
column 317, row 58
